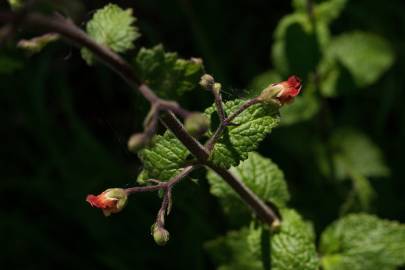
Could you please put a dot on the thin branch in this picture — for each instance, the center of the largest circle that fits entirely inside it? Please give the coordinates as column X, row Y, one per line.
column 190, row 142
column 162, row 185
column 227, row 122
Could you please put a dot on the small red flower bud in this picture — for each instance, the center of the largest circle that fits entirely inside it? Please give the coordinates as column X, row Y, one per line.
column 111, row 201
column 282, row 92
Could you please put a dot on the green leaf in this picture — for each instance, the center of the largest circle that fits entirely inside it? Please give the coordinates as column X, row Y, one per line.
column 168, row 75
column 163, row 158
column 363, row 242
column 354, row 151
column 354, row 156
column 367, row 56
column 329, row 11
column 292, row 248
column 113, row 27
column 237, row 141
column 261, row 175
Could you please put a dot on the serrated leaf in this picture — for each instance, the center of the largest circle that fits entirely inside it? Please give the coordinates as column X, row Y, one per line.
column 163, row 158
column 261, row 175
column 363, row 242
column 367, row 56
column 113, row 27
column 292, row 248
column 168, row 75
column 237, row 141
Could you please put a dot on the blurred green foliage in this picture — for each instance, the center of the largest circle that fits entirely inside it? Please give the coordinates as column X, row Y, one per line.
column 65, row 127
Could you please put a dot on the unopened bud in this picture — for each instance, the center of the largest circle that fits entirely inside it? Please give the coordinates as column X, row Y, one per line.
column 207, row 81
column 111, row 201
column 217, row 87
column 276, row 225
column 136, row 142
column 160, row 235
column 196, row 124
column 196, row 60
column 36, row 44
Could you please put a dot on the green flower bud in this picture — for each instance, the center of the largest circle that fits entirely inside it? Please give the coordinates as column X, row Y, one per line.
column 136, row 142
column 196, row 124
column 160, row 235
column 217, row 87
column 207, row 81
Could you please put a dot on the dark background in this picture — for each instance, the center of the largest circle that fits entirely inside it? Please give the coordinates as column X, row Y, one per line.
column 65, row 126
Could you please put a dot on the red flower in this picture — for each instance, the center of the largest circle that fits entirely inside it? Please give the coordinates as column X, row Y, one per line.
column 282, row 92
column 290, row 89
column 110, row 201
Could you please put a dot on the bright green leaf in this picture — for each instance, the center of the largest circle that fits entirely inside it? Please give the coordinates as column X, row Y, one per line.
column 163, row 158
column 237, row 141
column 363, row 242
column 113, row 27
column 168, row 75
column 261, row 175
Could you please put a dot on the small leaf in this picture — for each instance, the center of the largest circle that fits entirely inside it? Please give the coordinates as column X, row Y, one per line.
column 163, row 158
column 168, row 75
column 363, row 242
column 113, row 27
column 237, row 141
column 261, row 175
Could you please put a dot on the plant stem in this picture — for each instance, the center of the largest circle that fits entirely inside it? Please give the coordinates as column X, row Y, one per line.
column 263, row 211
column 228, row 121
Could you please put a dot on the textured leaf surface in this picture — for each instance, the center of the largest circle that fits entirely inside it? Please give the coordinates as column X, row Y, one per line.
column 113, row 27
column 237, row 141
column 168, row 75
column 163, row 158
column 292, row 248
column 363, row 242
column 260, row 174
column 367, row 56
